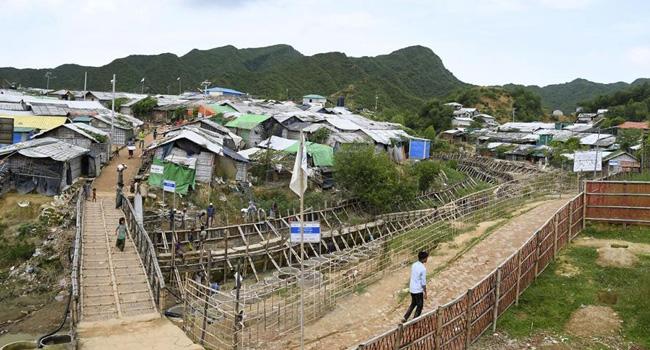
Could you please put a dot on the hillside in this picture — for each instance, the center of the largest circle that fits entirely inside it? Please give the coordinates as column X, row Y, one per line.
column 404, row 78
column 568, row 96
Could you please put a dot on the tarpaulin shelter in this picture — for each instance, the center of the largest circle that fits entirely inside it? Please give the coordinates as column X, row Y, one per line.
column 184, row 175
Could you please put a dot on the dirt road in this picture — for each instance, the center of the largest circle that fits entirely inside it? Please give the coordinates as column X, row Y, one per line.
column 361, row 316
column 106, row 182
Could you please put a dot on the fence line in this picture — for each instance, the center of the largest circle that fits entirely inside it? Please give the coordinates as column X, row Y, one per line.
column 147, row 254
column 75, row 277
column 272, row 305
column 460, row 322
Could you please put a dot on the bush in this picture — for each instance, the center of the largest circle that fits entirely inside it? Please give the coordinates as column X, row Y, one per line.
column 426, row 173
column 16, row 253
column 372, row 177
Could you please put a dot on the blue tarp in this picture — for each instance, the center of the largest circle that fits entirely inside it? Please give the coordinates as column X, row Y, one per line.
column 419, row 149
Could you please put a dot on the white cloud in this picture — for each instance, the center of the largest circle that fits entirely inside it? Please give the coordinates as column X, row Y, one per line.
column 565, row 4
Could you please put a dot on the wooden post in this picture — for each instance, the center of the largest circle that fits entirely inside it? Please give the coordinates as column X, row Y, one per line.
column 518, row 277
column 225, row 260
column 438, row 330
column 570, row 234
column 497, row 293
column 555, row 228
column 584, row 206
column 398, row 338
column 468, row 318
column 536, row 254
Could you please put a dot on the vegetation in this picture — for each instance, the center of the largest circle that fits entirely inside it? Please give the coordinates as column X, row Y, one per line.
column 426, row 173
column 433, row 114
column 546, row 307
column 569, row 146
column 144, row 107
column 527, row 104
column 320, row 136
column 630, row 104
column 372, row 177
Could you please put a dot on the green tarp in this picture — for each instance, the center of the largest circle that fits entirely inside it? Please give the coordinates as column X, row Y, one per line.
column 247, row 121
column 182, row 175
column 322, row 155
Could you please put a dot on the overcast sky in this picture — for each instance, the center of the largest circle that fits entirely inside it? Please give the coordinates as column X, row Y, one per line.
column 480, row 41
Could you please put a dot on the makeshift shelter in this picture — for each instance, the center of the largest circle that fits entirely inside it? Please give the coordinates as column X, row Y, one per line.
column 321, row 155
column 419, row 148
column 85, row 136
column 251, row 127
column 124, row 126
column 200, row 150
column 46, row 165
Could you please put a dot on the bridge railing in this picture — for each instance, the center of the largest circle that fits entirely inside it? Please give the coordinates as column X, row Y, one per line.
column 75, row 275
column 147, row 253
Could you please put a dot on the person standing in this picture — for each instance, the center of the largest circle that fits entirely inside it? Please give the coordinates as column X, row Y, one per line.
column 417, row 286
column 155, row 133
column 120, row 174
column 130, row 146
column 121, row 234
column 210, row 211
column 183, row 214
column 141, row 136
column 202, row 236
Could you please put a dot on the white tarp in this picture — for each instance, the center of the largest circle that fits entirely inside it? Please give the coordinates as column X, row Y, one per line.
column 587, row 161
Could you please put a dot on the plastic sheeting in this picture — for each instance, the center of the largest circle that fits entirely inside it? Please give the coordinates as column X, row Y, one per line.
column 183, row 176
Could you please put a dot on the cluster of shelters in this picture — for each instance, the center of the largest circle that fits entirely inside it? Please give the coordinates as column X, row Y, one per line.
column 46, row 144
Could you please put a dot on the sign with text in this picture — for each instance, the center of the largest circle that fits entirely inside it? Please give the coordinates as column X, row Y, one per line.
column 169, row 186
column 311, row 232
column 157, row 169
column 587, row 161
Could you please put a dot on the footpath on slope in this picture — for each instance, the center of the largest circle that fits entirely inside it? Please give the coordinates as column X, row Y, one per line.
column 128, row 320
column 362, row 316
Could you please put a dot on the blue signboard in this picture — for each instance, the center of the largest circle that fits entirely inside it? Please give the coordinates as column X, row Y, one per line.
column 311, row 233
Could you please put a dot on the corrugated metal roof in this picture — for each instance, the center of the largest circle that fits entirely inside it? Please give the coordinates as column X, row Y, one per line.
column 385, row 137
column 47, row 147
column 277, row 143
column 208, row 140
column 9, row 106
column 247, row 121
column 85, row 130
column 36, row 122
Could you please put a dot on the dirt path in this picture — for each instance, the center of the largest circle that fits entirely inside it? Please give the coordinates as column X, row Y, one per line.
column 361, row 316
column 106, row 182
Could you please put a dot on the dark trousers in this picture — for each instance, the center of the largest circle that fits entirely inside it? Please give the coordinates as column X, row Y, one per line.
column 120, row 244
column 417, row 303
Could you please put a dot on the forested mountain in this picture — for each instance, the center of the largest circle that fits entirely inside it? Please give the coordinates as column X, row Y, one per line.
column 568, row 96
column 404, row 78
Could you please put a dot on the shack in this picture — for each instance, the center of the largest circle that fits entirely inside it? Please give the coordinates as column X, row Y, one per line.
column 46, row 165
column 190, row 154
column 253, row 128
column 85, row 136
column 124, row 126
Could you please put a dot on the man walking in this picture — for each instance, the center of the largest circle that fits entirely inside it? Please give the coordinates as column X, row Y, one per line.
column 210, row 211
column 417, row 286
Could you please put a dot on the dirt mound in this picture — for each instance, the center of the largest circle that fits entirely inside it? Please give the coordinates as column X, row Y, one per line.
column 616, row 257
column 592, row 321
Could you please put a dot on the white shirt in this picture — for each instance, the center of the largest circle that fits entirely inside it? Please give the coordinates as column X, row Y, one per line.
column 418, row 278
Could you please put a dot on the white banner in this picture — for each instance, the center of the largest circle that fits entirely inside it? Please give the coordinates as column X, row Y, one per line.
column 587, row 161
column 157, row 169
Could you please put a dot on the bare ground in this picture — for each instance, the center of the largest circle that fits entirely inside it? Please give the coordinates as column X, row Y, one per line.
column 594, row 321
column 361, row 316
column 615, row 253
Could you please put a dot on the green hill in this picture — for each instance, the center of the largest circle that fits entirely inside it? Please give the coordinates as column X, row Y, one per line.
column 404, row 78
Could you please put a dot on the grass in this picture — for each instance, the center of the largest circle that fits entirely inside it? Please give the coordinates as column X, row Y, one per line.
column 636, row 234
column 549, row 302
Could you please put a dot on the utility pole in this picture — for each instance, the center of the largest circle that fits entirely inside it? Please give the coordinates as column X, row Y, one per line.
column 376, row 101
column 110, row 140
column 513, row 114
column 48, row 76
column 596, row 158
column 85, row 83
column 179, row 85
column 142, row 90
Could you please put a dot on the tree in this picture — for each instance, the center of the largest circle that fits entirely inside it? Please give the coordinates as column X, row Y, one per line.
column 433, row 113
column 372, row 177
column 320, row 136
column 144, row 107
column 628, row 137
column 429, row 133
column 426, row 173
column 528, row 104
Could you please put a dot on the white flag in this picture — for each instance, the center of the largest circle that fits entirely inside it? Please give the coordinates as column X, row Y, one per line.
column 142, row 81
column 298, row 182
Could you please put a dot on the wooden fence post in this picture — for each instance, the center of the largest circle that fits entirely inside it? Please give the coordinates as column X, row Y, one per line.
column 398, row 337
column 555, row 227
column 584, row 206
column 518, row 277
column 571, row 209
column 468, row 318
column 438, row 331
column 497, row 294
column 537, row 254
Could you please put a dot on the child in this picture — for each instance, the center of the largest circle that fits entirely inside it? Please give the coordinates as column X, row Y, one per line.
column 94, row 194
column 121, row 235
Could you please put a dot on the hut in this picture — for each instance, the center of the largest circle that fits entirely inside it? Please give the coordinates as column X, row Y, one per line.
column 46, row 165
column 253, row 128
column 124, row 126
column 84, row 136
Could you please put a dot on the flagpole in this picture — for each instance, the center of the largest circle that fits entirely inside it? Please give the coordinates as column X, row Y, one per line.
column 302, row 251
